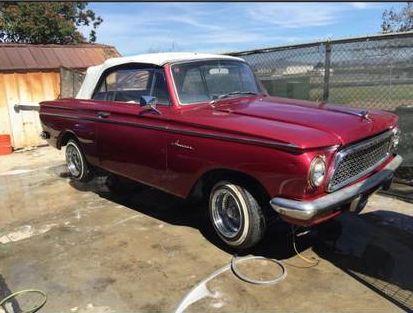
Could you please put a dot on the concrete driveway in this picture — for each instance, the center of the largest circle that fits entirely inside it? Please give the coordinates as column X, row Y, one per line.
column 143, row 251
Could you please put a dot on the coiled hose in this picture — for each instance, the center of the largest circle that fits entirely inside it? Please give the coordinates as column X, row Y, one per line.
column 34, row 308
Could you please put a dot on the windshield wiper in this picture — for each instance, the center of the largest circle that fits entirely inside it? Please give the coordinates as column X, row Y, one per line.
column 233, row 93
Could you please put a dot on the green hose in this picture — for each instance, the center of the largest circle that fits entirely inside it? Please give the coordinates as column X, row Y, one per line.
column 33, row 309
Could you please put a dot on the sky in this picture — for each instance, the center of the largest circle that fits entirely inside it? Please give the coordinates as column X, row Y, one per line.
column 135, row 28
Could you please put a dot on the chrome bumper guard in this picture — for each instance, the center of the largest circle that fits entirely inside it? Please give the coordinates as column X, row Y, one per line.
column 307, row 210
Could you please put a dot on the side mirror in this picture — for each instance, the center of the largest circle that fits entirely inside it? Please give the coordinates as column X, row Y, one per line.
column 148, row 103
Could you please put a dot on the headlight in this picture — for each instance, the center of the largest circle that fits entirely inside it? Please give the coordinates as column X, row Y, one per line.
column 396, row 138
column 317, row 171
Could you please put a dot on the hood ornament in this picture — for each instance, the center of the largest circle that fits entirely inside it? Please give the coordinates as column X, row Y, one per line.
column 365, row 115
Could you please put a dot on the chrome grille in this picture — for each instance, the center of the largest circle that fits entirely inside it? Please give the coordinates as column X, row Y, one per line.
column 359, row 159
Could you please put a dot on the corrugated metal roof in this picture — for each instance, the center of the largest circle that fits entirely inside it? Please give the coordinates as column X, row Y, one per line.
column 18, row 57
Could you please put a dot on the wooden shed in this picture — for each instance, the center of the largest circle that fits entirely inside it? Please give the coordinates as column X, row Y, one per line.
column 30, row 74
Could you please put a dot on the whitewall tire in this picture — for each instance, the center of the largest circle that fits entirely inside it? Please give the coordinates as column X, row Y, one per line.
column 76, row 162
column 236, row 216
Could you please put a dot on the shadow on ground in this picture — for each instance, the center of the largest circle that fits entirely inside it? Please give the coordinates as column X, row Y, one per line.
column 401, row 191
column 377, row 255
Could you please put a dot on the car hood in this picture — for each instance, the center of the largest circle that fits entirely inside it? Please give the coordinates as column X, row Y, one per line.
column 304, row 124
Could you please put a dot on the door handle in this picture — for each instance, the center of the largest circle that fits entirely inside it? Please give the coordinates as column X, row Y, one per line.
column 103, row 114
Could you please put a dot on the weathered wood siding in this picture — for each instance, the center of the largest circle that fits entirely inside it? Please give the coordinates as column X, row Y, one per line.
column 25, row 88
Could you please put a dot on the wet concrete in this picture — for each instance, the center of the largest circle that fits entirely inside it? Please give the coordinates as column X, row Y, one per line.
column 93, row 251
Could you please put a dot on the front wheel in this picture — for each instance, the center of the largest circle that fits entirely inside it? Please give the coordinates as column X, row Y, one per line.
column 236, row 215
column 76, row 162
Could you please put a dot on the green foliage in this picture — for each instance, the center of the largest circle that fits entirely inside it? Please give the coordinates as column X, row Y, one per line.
column 398, row 21
column 46, row 22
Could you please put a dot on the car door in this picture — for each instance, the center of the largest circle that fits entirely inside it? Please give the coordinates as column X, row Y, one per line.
column 131, row 140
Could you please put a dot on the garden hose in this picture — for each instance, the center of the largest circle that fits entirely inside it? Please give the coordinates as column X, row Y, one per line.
column 31, row 310
column 277, row 279
column 313, row 261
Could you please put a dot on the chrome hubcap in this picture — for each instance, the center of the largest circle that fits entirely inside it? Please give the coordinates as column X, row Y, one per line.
column 226, row 213
column 73, row 161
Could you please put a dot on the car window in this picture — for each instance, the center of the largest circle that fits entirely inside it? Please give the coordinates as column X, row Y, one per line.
column 160, row 90
column 130, row 84
column 190, row 85
column 100, row 96
column 206, row 80
column 129, row 79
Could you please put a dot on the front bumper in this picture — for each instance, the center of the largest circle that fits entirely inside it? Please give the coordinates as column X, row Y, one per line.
column 305, row 211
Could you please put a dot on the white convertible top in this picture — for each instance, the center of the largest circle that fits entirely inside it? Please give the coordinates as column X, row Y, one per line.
column 94, row 72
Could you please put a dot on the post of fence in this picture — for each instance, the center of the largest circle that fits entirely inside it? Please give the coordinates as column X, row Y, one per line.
column 327, row 63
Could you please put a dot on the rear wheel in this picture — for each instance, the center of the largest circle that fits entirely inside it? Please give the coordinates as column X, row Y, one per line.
column 236, row 215
column 76, row 162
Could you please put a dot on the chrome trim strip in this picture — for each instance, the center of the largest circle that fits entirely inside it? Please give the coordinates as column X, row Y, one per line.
column 259, row 142
column 351, row 149
column 306, row 210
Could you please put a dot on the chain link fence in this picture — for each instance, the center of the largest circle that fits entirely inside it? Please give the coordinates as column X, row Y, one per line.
column 373, row 72
column 369, row 72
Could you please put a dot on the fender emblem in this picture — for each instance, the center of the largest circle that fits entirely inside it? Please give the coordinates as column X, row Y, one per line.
column 180, row 145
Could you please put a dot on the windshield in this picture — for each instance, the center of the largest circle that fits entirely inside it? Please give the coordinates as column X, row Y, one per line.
column 203, row 81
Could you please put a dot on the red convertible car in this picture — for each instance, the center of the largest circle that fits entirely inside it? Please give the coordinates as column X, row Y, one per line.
column 200, row 125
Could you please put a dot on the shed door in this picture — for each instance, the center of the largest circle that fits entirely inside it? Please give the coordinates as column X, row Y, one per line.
column 25, row 125
column 24, row 91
